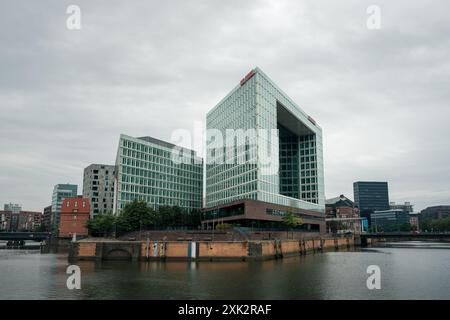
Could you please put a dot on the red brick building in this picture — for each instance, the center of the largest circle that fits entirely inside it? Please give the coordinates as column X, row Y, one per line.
column 29, row 220
column 20, row 221
column 342, row 215
column 74, row 215
column 414, row 220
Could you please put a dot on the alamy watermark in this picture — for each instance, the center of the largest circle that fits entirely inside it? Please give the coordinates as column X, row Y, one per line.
column 74, row 279
column 374, row 20
column 73, row 21
column 374, row 280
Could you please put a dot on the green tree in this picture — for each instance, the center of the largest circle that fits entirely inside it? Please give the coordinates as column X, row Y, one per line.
column 224, row 226
column 194, row 218
column 405, row 227
column 135, row 216
column 102, row 225
column 291, row 220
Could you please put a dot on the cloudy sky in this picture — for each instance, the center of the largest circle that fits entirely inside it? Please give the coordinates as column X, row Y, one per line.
column 148, row 68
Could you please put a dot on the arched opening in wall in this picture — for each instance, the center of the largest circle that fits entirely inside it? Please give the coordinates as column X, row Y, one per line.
column 118, row 254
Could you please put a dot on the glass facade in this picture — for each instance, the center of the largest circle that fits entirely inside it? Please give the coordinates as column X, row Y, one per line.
column 389, row 220
column 145, row 171
column 60, row 192
column 371, row 195
column 277, row 155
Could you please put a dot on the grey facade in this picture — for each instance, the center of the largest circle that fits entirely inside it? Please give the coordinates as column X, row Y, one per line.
column 371, row 196
column 60, row 192
column 47, row 217
column 98, row 187
column 435, row 212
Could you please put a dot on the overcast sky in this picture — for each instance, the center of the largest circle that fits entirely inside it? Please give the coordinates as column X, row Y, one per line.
column 148, row 68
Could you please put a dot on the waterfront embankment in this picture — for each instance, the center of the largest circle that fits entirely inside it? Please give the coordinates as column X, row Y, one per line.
column 102, row 249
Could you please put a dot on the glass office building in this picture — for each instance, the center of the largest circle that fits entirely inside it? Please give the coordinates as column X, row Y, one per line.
column 271, row 150
column 371, row 196
column 147, row 171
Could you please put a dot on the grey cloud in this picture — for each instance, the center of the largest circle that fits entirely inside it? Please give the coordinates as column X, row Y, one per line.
column 148, row 68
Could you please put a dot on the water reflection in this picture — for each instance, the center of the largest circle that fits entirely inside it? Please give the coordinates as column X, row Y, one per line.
column 409, row 271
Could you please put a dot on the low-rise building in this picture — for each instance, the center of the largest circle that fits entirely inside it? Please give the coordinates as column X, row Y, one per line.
column 29, row 220
column 20, row 221
column 414, row 220
column 435, row 212
column 74, row 214
column 390, row 220
column 342, row 215
column 5, row 218
column 407, row 206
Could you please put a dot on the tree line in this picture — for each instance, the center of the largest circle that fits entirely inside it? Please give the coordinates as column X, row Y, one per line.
column 137, row 215
column 435, row 224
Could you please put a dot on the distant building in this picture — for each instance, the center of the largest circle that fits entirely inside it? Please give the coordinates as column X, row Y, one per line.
column 342, row 215
column 60, row 192
column 7, row 221
column 5, row 218
column 74, row 214
column 20, row 221
column 14, row 221
column 14, row 208
column 146, row 171
column 371, row 196
column 389, row 220
column 47, row 218
column 435, row 212
column 414, row 220
column 407, row 206
column 98, row 186
column 29, row 220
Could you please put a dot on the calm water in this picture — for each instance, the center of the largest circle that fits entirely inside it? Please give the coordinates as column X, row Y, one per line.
column 412, row 270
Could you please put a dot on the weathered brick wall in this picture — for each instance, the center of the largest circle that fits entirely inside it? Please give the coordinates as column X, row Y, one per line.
column 267, row 248
column 328, row 243
column 209, row 250
column 290, row 246
column 223, row 249
column 87, row 249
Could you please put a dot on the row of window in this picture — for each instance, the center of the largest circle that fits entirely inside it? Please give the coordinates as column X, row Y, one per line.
column 163, row 165
column 183, row 194
column 162, row 181
column 159, row 201
column 75, row 204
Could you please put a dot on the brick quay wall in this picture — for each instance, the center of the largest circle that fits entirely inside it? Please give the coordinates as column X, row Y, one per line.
column 98, row 249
